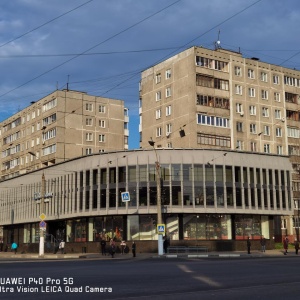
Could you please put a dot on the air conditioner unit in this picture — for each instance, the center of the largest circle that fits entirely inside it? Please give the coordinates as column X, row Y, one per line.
column 283, row 119
column 241, row 113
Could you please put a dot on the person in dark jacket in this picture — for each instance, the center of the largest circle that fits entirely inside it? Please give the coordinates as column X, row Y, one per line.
column 285, row 245
column 263, row 244
column 103, row 247
column 133, row 247
column 248, row 245
column 296, row 246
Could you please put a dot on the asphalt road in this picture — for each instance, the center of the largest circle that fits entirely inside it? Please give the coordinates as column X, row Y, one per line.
column 257, row 278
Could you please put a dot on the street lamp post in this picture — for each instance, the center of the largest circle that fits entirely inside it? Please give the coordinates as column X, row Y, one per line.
column 42, row 238
column 158, row 196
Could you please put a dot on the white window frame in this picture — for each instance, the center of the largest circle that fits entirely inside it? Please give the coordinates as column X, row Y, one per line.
column 277, row 114
column 253, row 146
column 158, row 132
column 168, row 92
column 89, row 122
column 276, row 96
column 238, row 89
column 251, row 74
column 276, row 79
column 168, row 110
column 267, row 148
column 102, row 123
column 267, row 130
column 264, row 76
column 158, row 96
column 158, row 78
column 237, row 71
column 102, row 109
column 278, row 131
column 101, row 138
column 253, row 128
column 168, row 129
column 265, row 112
column 252, row 110
column 158, row 114
column 239, row 107
column 251, row 92
column 168, row 74
column 89, row 136
column 264, row 94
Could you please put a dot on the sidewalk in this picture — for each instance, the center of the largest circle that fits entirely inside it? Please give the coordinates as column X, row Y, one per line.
column 232, row 254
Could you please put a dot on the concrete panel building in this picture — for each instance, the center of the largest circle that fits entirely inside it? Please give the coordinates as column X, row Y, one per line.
column 61, row 126
column 202, row 98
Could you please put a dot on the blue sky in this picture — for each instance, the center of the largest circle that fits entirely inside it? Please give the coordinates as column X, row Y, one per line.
column 101, row 46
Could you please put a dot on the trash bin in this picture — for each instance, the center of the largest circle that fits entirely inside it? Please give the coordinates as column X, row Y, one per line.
column 83, row 249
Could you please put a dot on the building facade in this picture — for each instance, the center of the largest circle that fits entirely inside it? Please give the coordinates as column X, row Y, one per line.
column 213, row 197
column 202, row 98
column 61, row 126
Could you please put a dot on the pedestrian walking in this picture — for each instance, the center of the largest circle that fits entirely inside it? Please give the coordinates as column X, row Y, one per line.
column 133, row 247
column 285, row 245
column 103, row 247
column 248, row 245
column 166, row 244
column 123, row 246
column 263, row 244
column 62, row 247
column 14, row 246
column 296, row 246
column 112, row 248
column 1, row 245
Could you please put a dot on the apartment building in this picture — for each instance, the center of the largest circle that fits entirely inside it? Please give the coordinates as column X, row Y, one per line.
column 202, row 98
column 61, row 126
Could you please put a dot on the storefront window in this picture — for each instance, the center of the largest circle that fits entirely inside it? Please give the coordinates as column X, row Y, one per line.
column 247, row 226
column 147, row 226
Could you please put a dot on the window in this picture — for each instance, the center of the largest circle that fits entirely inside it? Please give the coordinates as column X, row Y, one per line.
column 38, row 126
column 278, row 132
column 237, row 71
column 266, row 148
column 277, row 114
column 168, row 92
column 252, row 110
column 250, row 73
column 49, row 150
column 158, row 131
column 49, row 134
column 264, row 76
column 238, row 89
column 102, row 109
column 158, row 114
column 266, row 130
column 293, row 132
column 49, row 105
column 49, row 120
column 169, row 145
column 239, row 107
column 157, row 78
column 101, row 138
column 168, row 129
column 265, row 112
column 168, row 110
column 213, row 121
column 239, row 126
column 264, row 94
column 279, row 150
column 88, row 122
column 276, row 96
column 251, row 92
column 168, row 74
column 291, row 81
column 89, row 136
column 89, row 106
column 32, row 128
column 28, row 117
column 158, row 95
column 88, row 151
column 253, row 146
column 221, row 84
column 275, row 79
column 102, row 123
column 253, row 128
column 33, row 115
column 239, row 145
column 216, row 140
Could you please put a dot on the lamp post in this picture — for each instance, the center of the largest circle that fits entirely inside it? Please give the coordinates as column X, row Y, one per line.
column 158, row 196
column 42, row 215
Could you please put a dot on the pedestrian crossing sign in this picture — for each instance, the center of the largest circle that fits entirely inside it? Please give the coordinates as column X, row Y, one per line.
column 161, row 229
column 125, row 196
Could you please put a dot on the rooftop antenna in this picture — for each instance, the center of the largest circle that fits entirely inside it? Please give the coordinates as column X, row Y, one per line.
column 218, row 43
column 68, row 83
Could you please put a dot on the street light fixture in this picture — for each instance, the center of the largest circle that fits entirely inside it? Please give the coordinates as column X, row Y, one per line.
column 158, row 196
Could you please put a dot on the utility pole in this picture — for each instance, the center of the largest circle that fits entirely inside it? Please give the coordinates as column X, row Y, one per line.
column 42, row 239
column 158, row 199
